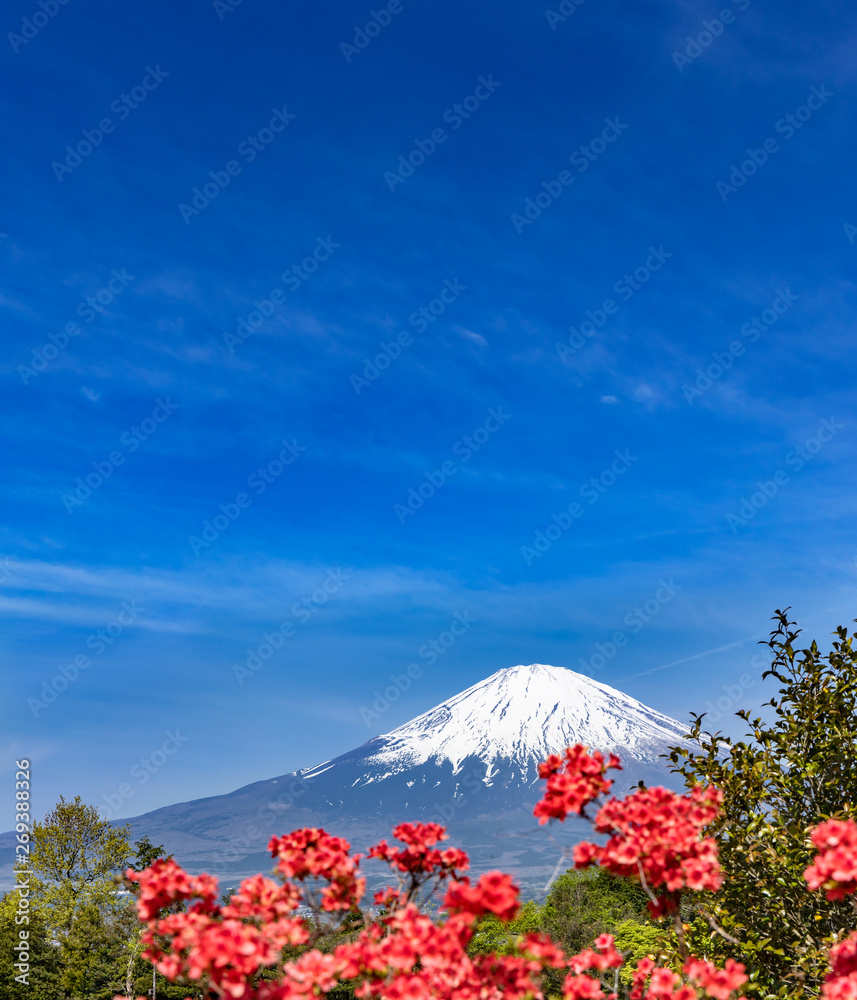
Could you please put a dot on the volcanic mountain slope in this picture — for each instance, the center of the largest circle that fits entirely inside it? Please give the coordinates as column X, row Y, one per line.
column 470, row 763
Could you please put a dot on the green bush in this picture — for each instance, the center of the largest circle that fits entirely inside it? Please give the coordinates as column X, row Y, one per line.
column 795, row 768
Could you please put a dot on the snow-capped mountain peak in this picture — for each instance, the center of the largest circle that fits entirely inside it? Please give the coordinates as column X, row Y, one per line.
column 469, row 764
column 520, row 715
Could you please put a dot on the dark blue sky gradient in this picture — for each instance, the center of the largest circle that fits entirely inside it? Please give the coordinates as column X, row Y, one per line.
column 672, row 513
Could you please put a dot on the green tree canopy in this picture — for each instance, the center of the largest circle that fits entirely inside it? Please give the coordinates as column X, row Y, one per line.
column 75, row 856
column 792, row 770
column 583, row 904
column 492, row 935
column 44, row 961
column 145, row 852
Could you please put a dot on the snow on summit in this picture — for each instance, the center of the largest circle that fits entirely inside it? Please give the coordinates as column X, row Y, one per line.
column 522, row 714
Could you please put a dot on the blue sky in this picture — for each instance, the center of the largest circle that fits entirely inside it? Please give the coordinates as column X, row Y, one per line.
column 684, row 188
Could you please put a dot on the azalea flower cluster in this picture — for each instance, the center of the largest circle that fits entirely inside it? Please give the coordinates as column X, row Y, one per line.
column 841, row 981
column 304, row 935
column 579, row 985
column 419, row 858
column 658, row 983
column 401, row 954
column 573, row 781
column 656, row 836
column 314, row 853
column 205, row 942
column 835, row 871
column 835, row 868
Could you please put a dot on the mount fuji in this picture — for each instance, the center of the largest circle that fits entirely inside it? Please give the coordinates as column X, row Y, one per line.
column 469, row 763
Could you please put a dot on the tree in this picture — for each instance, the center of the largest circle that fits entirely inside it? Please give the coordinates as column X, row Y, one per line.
column 145, row 852
column 44, row 957
column 789, row 773
column 583, row 904
column 93, row 949
column 75, row 856
column 636, row 939
column 494, row 935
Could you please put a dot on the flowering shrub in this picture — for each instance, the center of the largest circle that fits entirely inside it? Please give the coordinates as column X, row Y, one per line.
column 246, row 947
column 714, row 982
column 656, row 837
column 573, row 781
column 835, row 868
column 835, row 871
column 401, row 953
column 791, row 767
